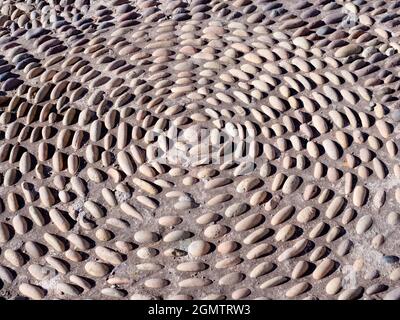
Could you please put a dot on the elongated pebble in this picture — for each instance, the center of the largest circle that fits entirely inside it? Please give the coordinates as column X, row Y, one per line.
column 31, row 291
column 323, row 269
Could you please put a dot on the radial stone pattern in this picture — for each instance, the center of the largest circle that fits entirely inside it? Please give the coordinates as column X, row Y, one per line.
column 199, row 149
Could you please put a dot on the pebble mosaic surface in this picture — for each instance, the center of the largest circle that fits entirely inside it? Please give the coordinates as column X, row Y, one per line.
column 205, row 149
